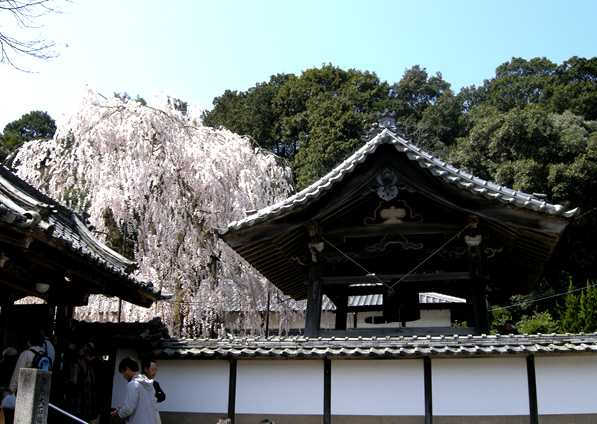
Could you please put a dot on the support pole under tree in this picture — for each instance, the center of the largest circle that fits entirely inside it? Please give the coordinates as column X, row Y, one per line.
column 33, row 397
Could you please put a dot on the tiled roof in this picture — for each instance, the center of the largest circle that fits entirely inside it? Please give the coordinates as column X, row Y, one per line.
column 378, row 347
column 328, row 305
column 437, row 167
column 39, row 217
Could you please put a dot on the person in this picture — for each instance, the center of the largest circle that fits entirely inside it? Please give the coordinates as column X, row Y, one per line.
column 139, row 401
column 224, row 420
column 34, row 344
column 7, row 365
column 266, row 421
column 509, row 328
column 48, row 347
column 150, row 369
column 81, row 386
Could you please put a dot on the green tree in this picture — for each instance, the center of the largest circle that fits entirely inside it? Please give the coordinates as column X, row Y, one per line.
column 252, row 113
column 569, row 312
column 575, row 89
column 31, row 126
column 324, row 114
column 516, row 84
column 533, row 150
column 314, row 120
column 579, row 311
column 539, row 322
column 416, row 92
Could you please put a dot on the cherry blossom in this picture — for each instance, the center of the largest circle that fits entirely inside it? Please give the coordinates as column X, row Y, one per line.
column 155, row 180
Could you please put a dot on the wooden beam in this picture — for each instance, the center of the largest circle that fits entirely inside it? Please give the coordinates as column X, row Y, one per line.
column 387, row 278
column 384, row 229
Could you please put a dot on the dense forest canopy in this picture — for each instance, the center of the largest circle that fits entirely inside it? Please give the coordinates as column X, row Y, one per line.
column 531, row 127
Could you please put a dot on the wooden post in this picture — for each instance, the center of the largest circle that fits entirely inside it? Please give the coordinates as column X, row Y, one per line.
column 533, row 407
column 327, row 391
column 313, row 318
column 478, row 300
column 428, row 390
column 341, row 302
column 33, row 397
column 232, row 390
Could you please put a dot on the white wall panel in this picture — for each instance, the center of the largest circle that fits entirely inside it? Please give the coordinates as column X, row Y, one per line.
column 279, row 387
column 480, row 386
column 190, row 386
column 566, row 384
column 194, row 386
column 378, row 387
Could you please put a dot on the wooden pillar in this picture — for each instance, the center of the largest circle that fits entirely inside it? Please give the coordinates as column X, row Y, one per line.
column 341, row 302
column 477, row 284
column 533, row 408
column 327, row 391
column 314, row 296
column 428, row 390
column 232, row 390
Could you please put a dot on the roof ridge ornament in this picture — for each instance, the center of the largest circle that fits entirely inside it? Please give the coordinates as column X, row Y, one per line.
column 385, row 120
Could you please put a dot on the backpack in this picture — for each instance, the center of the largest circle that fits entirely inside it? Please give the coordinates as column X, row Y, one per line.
column 41, row 360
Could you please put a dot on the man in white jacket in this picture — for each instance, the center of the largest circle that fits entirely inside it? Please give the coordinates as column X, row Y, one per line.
column 139, row 401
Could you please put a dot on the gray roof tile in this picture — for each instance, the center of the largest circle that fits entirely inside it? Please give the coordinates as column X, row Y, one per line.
column 437, row 167
column 378, row 347
column 25, row 207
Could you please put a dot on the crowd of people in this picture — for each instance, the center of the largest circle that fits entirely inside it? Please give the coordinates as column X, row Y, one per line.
column 77, row 384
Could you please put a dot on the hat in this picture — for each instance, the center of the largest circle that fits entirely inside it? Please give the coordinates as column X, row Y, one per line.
column 9, row 351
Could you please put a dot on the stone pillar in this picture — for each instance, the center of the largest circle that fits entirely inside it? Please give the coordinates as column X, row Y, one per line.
column 33, row 396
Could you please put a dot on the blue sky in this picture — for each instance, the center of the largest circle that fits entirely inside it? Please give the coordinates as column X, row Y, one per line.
column 198, row 49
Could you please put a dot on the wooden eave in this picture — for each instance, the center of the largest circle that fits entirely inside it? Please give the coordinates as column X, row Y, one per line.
column 41, row 241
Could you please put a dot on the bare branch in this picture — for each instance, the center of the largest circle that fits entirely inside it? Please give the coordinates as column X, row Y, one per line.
column 25, row 13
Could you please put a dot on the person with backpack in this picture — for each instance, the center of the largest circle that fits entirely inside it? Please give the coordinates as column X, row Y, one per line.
column 31, row 357
column 33, row 353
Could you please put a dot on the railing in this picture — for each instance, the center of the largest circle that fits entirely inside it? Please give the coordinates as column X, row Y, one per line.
column 79, row 420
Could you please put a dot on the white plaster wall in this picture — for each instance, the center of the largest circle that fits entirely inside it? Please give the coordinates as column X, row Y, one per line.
column 566, row 384
column 279, row 387
column 433, row 318
column 194, row 386
column 379, row 387
column 190, row 386
column 429, row 318
column 480, row 386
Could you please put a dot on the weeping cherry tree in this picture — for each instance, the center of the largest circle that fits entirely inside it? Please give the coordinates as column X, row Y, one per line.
column 155, row 183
